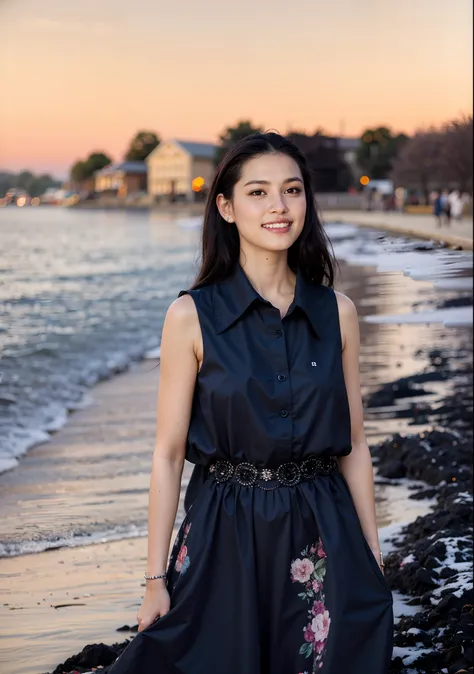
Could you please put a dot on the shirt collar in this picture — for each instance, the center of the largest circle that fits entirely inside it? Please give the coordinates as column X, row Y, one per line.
column 235, row 294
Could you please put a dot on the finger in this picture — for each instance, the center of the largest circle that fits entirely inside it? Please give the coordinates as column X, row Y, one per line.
column 146, row 623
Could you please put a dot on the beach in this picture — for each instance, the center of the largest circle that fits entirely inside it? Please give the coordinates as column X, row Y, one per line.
column 74, row 507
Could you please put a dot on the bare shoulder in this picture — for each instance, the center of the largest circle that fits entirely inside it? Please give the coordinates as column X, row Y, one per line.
column 348, row 320
column 181, row 320
column 182, row 311
column 347, row 308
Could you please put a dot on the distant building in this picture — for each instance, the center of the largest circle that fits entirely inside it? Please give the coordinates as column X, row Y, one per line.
column 121, row 179
column 175, row 166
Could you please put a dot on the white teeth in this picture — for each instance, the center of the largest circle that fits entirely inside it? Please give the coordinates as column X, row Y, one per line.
column 277, row 225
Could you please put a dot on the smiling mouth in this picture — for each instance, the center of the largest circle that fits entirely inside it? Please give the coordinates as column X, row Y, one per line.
column 277, row 225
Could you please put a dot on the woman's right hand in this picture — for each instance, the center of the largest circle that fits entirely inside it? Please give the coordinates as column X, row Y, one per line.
column 155, row 604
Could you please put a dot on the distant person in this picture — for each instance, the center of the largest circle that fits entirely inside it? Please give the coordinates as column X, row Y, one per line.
column 378, row 200
column 438, row 209
column 456, row 205
column 276, row 568
column 400, row 195
column 446, row 207
column 370, row 197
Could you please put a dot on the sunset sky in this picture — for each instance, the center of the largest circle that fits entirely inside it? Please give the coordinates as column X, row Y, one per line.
column 83, row 76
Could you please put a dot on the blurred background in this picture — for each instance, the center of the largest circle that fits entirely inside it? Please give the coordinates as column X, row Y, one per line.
column 373, row 92
column 113, row 117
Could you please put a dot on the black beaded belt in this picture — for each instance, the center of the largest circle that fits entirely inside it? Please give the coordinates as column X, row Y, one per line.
column 286, row 475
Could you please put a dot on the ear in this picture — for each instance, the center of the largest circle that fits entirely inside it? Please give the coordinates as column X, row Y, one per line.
column 225, row 208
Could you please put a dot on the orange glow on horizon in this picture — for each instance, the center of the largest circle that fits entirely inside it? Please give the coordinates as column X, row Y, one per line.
column 88, row 77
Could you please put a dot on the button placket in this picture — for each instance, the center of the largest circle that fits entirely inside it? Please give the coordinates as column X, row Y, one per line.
column 282, row 385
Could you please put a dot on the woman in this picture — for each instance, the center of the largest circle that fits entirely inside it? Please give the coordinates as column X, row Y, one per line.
column 276, row 567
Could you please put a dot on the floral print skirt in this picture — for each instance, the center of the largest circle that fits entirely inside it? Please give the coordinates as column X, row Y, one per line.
column 269, row 582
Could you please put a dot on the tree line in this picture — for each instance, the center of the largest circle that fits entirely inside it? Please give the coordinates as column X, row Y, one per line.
column 442, row 156
column 437, row 158
column 140, row 147
column 34, row 185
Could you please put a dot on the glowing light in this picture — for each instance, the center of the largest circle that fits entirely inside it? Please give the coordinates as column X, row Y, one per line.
column 197, row 184
column 365, row 180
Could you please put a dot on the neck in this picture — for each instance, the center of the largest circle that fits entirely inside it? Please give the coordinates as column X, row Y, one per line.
column 268, row 272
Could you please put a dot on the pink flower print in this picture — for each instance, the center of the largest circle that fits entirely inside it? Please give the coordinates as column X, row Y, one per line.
column 321, row 552
column 301, row 570
column 308, row 634
column 318, row 608
column 310, row 571
column 320, row 627
column 181, row 558
column 316, row 585
column 319, row 646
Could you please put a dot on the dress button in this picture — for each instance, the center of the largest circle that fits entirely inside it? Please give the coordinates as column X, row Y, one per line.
column 277, row 333
column 284, row 413
column 281, row 377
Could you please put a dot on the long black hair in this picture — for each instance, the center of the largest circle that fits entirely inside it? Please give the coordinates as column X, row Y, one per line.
column 220, row 248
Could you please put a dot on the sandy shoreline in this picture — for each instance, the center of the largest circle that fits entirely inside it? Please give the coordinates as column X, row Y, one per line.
column 458, row 235
column 101, row 583
column 55, row 602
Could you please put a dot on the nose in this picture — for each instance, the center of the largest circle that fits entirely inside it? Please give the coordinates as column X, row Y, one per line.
column 278, row 204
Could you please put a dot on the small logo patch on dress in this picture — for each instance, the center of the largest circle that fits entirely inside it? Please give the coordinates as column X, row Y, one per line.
column 314, row 363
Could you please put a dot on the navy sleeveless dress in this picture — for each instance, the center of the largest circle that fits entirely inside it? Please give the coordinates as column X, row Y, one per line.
column 277, row 581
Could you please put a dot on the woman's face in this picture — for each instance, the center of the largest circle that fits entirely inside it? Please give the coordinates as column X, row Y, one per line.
column 269, row 202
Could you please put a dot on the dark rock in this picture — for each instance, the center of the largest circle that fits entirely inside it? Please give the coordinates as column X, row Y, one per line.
column 90, row 656
column 394, row 470
column 460, row 301
column 424, row 578
column 447, row 572
column 127, row 628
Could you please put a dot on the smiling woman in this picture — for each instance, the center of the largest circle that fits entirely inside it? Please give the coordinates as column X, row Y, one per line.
column 259, row 389
column 250, row 206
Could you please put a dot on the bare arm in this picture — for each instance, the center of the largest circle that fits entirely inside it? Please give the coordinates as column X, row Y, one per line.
column 178, row 368
column 357, row 466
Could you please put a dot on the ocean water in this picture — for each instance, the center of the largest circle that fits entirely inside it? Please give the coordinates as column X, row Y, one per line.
column 83, row 295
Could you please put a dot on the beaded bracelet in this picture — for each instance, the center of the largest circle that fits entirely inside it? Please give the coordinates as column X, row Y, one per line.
column 161, row 575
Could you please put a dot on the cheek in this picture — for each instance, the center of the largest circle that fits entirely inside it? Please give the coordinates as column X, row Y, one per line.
column 249, row 213
column 299, row 212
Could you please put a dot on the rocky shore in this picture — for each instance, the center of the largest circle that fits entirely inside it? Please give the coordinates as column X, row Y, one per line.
column 431, row 559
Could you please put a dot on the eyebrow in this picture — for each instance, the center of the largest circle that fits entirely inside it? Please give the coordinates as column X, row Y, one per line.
column 266, row 182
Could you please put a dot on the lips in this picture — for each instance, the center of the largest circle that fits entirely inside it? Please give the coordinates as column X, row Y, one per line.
column 277, row 224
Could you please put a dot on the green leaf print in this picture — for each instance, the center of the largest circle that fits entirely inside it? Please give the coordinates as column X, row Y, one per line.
column 306, row 650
